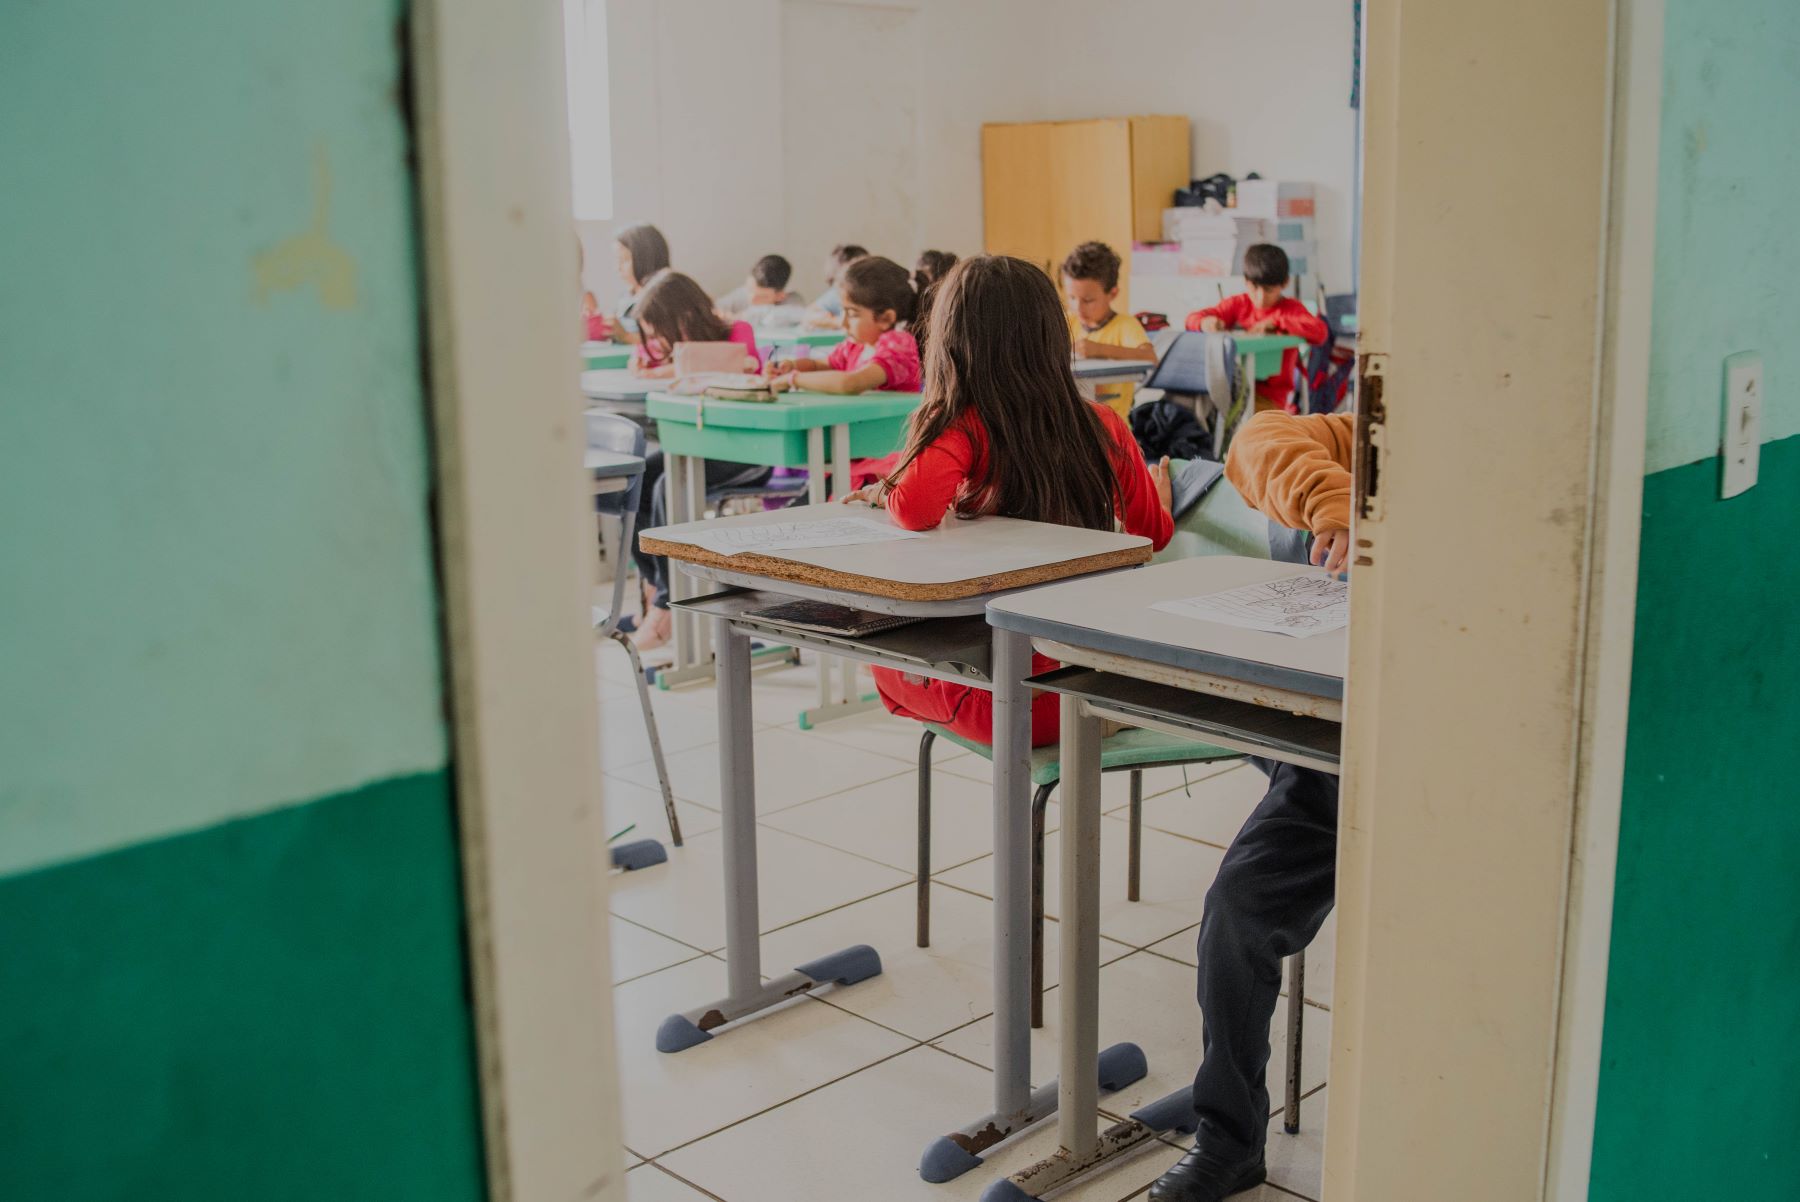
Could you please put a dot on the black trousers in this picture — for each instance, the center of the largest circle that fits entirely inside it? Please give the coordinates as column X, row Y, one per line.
column 653, row 510
column 1273, row 891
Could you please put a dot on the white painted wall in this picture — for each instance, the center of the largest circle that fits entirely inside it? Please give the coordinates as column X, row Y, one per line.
column 698, row 125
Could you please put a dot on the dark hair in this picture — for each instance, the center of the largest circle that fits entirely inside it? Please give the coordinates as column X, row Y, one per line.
column 772, row 271
column 875, row 283
column 1266, row 264
column 997, row 356
column 844, row 254
column 931, row 267
column 676, row 309
column 648, row 249
column 1093, row 261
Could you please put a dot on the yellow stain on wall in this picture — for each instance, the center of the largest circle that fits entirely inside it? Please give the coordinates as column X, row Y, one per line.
column 312, row 257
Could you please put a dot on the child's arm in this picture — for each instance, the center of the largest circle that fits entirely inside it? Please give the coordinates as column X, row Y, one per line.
column 1143, row 491
column 843, row 383
column 1088, row 349
column 1296, row 470
column 644, row 371
column 929, row 485
column 1296, row 319
column 782, row 367
column 1225, row 315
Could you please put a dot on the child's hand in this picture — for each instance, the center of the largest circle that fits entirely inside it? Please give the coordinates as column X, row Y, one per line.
column 1084, row 347
column 1159, row 477
column 868, row 494
column 787, row 382
column 775, row 367
column 1211, row 324
column 1265, row 326
column 589, row 306
column 1331, row 550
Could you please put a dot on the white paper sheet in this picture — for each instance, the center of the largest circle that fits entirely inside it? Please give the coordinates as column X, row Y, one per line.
column 1301, row 606
column 770, row 537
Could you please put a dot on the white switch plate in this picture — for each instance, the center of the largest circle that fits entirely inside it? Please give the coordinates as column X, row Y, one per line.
column 1742, row 444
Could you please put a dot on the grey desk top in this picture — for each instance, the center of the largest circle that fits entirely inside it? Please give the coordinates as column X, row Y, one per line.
column 617, row 384
column 1112, row 614
column 607, row 465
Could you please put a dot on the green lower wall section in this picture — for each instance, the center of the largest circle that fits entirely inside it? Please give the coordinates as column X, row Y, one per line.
column 273, row 1009
column 1700, row 1077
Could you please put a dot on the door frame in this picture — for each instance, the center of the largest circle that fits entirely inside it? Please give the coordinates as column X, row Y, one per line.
column 1495, row 589
column 516, row 547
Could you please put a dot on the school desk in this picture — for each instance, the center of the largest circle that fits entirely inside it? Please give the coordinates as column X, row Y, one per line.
column 1106, row 371
column 947, row 576
column 612, row 470
column 618, row 391
column 789, row 431
column 1265, row 694
column 603, row 356
column 769, row 338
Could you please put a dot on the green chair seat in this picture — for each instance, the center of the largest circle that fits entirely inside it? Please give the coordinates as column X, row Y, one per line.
column 1130, row 748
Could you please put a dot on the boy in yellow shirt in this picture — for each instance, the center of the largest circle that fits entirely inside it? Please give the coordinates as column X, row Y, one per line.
column 1090, row 277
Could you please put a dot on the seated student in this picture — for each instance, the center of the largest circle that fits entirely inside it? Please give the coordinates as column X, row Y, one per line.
column 1004, row 430
column 1261, row 309
column 643, row 252
column 765, row 298
column 1090, row 278
column 878, row 351
column 828, row 311
column 931, row 267
column 672, row 310
column 1278, row 879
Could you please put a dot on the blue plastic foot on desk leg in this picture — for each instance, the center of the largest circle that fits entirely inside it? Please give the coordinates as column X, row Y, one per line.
column 639, row 853
column 1121, row 1065
column 1004, row 1190
column 1175, row 1112
column 678, row 1034
column 944, row 1161
column 847, row 967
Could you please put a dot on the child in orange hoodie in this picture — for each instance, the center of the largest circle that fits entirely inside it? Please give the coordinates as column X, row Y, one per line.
column 1278, row 880
column 1262, row 309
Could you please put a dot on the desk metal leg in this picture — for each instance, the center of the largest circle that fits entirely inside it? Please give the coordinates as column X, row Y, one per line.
column 1016, row 1105
column 1083, row 1148
column 743, row 952
column 685, row 482
column 836, row 699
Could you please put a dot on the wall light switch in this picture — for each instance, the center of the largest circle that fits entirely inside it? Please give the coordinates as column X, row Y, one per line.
column 1742, row 443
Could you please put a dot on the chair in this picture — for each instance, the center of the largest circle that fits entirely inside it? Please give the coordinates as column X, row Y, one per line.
column 1199, row 364
column 1130, row 750
column 1325, row 372
column 620, row 436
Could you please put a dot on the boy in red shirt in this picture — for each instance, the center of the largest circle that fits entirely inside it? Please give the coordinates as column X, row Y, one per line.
column 1262, row 309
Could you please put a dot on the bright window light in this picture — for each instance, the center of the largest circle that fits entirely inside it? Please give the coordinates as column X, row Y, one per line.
column 590, row 108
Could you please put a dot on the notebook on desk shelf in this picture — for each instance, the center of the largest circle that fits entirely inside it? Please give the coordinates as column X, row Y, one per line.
column 826, row 618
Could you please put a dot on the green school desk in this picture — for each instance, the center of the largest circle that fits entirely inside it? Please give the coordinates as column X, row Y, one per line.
column 769, row 337
column 1260, row 354
column 603, row 356
column 790, row 431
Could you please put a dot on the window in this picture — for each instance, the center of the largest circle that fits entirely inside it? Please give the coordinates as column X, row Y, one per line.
column 590, row 108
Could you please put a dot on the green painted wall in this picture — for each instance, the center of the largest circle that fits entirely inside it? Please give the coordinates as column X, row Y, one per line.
column 211, row 493
column 1699, row 1055
column 232, row 960
column 268, row 1009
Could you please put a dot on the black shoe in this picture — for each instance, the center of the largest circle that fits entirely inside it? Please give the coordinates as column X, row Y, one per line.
column 1201, row 1176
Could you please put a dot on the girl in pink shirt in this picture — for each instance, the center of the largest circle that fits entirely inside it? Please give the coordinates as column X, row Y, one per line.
column 879, row 353
column 675, row 309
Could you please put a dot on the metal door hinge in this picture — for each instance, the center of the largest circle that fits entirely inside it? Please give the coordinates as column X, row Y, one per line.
column 1371, row 435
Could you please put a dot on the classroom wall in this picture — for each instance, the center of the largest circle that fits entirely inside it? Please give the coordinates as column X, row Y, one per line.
column 705, row 146
column 1698, row 1059
column 229, row 895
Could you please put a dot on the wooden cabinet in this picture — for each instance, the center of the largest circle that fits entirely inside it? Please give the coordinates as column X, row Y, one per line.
column 1048, row 185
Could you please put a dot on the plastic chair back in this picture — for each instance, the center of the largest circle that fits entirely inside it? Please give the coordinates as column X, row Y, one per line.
column 619, row 434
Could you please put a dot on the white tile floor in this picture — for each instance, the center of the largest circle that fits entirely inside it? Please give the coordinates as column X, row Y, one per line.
column 846, row 1089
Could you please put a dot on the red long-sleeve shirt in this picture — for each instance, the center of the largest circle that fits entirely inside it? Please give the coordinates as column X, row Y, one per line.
column 926, row 493
column 943, row 470
column 1290, row 317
